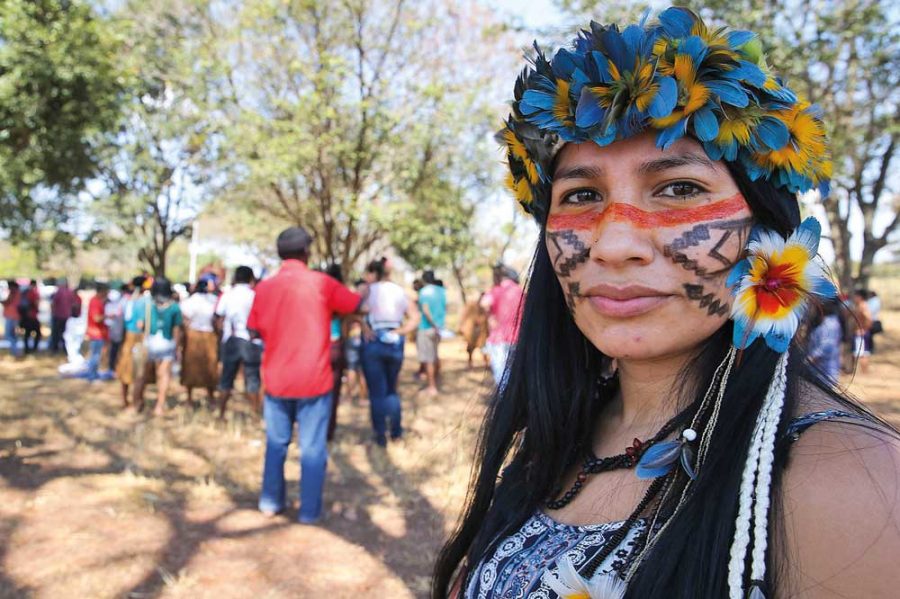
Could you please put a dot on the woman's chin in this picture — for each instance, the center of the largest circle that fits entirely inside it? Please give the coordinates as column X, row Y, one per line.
column 646, row 341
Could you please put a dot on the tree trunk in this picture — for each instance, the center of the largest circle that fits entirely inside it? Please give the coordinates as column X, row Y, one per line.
column 865, row 264
column 458, row 275
column 840, row 240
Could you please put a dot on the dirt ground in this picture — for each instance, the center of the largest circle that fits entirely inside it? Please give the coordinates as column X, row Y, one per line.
column 95, row 502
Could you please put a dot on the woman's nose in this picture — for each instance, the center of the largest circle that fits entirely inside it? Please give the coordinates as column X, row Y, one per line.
column 618, row 241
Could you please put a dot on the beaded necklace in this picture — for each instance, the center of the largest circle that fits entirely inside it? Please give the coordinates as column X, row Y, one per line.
column 594, row 465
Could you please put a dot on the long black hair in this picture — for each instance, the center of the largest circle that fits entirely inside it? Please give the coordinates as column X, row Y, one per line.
column 548, row 409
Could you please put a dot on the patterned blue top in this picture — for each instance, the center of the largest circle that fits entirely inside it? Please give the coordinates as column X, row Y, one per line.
column 517, row 567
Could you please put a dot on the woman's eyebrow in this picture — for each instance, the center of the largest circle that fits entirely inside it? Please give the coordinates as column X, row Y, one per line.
column 578, row 172
column 669, row 162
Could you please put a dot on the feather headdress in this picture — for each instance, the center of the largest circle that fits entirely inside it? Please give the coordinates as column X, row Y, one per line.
column 678, row 77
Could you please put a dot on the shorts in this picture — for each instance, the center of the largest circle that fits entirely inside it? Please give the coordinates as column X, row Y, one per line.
column 427, row 341
column 237, row 352
column 859, row 347
column 159, row 356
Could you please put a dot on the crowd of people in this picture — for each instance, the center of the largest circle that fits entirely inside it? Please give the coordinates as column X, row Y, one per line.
column 842, row 334
column 300, row 338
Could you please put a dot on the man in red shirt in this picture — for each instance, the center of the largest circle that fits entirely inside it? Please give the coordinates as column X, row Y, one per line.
column 291, row 315
column 97, row 331
column 61, row 307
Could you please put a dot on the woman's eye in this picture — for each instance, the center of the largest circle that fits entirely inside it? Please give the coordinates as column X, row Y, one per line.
column 681, row 189
column 580, row 196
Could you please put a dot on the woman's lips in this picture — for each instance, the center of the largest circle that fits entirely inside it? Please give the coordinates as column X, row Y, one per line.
column 625, row 302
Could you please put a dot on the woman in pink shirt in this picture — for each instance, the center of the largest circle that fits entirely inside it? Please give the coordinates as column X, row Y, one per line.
column 502, row 303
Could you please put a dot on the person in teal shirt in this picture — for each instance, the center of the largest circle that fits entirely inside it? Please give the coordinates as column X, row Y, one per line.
column 164, row 341
column 433, row 306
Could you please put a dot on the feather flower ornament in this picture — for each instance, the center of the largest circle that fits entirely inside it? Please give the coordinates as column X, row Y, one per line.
column 774, row 285
column 569, row 584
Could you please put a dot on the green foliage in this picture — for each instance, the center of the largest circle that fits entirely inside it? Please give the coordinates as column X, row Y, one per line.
column 342, row 113
column 158, row 167
column 60, row 87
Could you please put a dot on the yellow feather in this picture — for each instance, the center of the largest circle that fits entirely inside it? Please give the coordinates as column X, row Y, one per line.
column 517, row 149
column 698, row 94
column 561, row 107
column 733, row 130
column 670, row 120
column 684, row 69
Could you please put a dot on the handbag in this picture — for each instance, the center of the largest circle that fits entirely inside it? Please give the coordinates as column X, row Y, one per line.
column 877, row 327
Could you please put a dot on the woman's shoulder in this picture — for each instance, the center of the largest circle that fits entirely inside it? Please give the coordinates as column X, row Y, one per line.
column 841, row 495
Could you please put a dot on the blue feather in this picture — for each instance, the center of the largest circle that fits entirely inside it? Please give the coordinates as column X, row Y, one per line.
column 588, row 112
column 659, row 459
column 666, row 137
column 604, row 138
column 747, row 71
column 676, row 22
column 736, row 39
column 737, row 273
column 773, row 133
column 742, row 338
column 633, row 36
column 728, row 92
column 617, row 50
column 665, row 100
column 564, row 63
column 713, row 150
column 706, row 125
column 696, row 48
column 808, row 234
column 824, row 288
column 777, row 342
column 598, row 67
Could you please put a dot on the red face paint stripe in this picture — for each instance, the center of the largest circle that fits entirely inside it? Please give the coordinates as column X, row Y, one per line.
column 647, row 220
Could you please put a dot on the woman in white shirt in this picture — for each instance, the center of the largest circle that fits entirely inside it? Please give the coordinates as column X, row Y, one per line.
column 390, row 317
column 199, row 367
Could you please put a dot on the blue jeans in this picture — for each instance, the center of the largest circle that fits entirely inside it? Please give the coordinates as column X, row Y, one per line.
column 311, row 415
column 95, row 347
column 498, row 354
column 381, row 363
column 9, row 333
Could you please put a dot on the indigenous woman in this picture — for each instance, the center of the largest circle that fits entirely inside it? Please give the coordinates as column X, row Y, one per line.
column 661, row 433
column 200, row 358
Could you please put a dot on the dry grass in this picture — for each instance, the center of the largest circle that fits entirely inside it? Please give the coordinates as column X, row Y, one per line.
column 95, row 502
column 98, row 503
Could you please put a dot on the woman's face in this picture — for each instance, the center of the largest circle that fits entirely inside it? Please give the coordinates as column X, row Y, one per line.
column 642, row 240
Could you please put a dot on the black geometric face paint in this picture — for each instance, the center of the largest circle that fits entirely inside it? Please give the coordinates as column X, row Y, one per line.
column 572, row 291
column 707, row 300
column 700, row 233
column 564, row 267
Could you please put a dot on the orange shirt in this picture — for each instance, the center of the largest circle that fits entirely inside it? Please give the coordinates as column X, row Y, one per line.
column 292, row 313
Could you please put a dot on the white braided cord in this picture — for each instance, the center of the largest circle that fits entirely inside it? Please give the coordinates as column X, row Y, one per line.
column 741, row 540
column 756, row 481
column 764, row 478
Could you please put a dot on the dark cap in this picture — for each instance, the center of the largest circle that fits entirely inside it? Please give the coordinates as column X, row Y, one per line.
column 506, row 272
column 293, row 241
